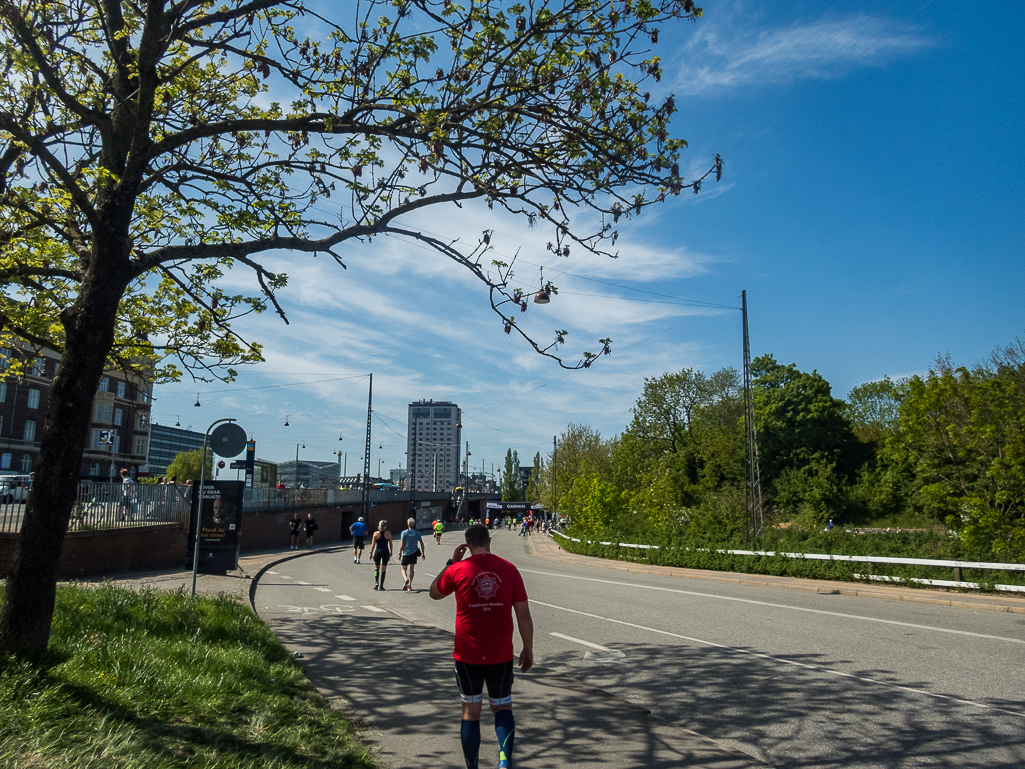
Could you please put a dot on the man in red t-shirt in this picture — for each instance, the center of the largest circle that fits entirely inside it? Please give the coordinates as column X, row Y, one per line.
column 489, row 590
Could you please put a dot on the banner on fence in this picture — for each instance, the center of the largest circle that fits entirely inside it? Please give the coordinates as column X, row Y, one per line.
column 220, row 523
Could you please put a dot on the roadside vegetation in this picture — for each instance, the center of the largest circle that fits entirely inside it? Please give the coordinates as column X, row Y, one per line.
column 153, row 680
column 934, row 464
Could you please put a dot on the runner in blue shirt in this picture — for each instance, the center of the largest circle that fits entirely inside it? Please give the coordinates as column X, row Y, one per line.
column 359, row 532
column 412, row 548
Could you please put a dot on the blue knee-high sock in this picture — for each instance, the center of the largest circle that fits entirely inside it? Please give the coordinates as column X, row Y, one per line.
column 470, row 735
column 505, row 730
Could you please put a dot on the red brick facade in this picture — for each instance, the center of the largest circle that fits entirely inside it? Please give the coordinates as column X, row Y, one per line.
column 148, row 548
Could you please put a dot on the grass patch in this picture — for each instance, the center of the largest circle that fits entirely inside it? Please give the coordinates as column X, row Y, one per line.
column 152, row 680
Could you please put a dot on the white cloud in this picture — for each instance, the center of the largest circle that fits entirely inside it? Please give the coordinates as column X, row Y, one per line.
column 718, row 57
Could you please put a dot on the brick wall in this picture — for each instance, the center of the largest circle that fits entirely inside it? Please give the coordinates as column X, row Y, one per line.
column 149, row 548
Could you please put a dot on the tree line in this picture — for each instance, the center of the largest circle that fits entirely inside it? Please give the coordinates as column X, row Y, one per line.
column 942, row 451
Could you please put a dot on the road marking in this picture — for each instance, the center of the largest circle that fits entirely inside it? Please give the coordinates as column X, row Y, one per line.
column 308, row 610
column 284, row 576
column 378, row 609
column 272, row 572
column 323, row 589
column 782, row 660
column 782, row 606
column 583, row 643
column 345, row 598
column 302, row 583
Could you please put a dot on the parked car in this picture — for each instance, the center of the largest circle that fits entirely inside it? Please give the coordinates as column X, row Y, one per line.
column 14, row 488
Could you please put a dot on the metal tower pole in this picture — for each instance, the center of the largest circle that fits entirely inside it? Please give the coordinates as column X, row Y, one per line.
column 756, row 520
column 365, row 506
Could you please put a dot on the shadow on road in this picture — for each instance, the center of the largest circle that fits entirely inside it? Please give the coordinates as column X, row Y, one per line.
column 397, row 678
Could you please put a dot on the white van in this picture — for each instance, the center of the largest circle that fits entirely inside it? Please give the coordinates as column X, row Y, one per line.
column 14, row 488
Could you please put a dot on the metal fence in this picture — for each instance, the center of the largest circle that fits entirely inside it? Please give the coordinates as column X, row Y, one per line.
column 957, row 566
column 259, row 499
column 105, row 506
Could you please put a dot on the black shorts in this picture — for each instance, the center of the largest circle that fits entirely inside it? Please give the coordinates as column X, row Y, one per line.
column 357, row 542
column 471, row 680
column 410, row 560
column 381, row 556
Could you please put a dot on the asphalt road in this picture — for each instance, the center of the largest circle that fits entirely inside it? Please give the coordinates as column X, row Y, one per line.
column 793, row 678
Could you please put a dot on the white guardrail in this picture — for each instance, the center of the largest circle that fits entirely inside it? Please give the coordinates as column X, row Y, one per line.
column 955, row 565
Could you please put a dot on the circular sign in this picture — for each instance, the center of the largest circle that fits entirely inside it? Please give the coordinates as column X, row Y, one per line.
column 228, row 440
column 220, row 463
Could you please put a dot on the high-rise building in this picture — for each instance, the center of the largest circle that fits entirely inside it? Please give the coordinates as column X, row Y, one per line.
column 432, row 445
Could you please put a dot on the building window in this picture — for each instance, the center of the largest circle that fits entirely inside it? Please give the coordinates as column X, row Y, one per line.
column 140, row 446
column 30, row 431
column 141, row 420
column 118, row 416
column 33, row 399
column 38, row 368
column 103, row 412
column 5, row 461
column 3, row 392
column 105, row 384
column 26, row 463
column 94, row 468
column 121, row 389
column 144, row 395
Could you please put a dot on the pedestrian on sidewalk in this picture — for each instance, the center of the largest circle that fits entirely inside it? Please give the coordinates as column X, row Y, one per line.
column 489, row 590
column 412, row 548
column 381, row 552
column 359, row 533
column 294, row 527
column 129, row 506
column 310, row 526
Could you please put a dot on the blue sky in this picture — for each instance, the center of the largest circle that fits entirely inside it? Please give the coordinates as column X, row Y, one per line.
column 872, row 207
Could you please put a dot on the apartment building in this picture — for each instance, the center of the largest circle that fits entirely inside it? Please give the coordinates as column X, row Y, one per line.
column 432, row 444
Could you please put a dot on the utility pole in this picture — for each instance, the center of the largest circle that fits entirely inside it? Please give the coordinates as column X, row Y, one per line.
column 365, row 505
column 756, row 520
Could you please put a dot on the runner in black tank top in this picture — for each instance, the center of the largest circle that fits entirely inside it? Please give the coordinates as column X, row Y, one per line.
column 381, row 553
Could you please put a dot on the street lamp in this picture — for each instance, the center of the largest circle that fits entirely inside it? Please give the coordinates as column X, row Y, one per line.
column 297, row 464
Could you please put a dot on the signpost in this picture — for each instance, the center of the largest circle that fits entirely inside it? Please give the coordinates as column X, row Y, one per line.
column 214, row 506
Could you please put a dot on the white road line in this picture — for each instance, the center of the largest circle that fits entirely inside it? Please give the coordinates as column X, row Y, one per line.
column 781, row 660
column 378, row 609
column 781, row 606
column 302, row 583
column 284, row 576
column 584, row 643
column 323, row 589
column 271, row 572
column 345, row 598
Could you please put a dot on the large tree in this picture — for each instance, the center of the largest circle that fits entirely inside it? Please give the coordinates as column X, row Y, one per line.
column 511, row 489
column 799, row 421
column 148, row 147
column 963, row 432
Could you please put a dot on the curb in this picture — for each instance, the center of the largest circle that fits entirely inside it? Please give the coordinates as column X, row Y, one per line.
column 291, row 557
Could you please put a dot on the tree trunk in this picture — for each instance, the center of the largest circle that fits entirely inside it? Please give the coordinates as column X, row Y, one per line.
column 28, row 603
